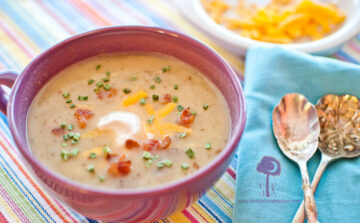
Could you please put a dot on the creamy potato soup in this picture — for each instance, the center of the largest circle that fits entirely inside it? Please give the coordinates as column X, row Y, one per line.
column 129, row 120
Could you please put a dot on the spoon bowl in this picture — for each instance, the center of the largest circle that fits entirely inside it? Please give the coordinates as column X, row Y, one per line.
column 296, row 128
column 339, row 118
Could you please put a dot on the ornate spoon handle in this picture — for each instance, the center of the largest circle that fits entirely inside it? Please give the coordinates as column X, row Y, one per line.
column 309, row 200
column 299, row 216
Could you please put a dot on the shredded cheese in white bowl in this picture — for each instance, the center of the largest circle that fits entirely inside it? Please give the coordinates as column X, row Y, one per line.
column 232, row 34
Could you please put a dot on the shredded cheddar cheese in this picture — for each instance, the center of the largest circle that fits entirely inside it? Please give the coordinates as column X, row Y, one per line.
column 98, row 151
column 281, row 21
column 164, row 111
column 132, row 99
column 92, row 133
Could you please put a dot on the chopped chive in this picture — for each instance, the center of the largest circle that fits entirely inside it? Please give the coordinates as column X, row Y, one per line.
column 105, row 79
column 63, row 144
column 76, row 136
column 66, row 137
column 66, row 94
column 72, row 106
column 126, row 90
column 156, row 156
column 63, row 125
column 152, row 87
column 106, row 150
column 64, row 155
column 92, row 155
column 70, row 134
column 142, row 101
column 182, row 135
column 179, row 108
column 157, row 79
column 101, row 178
column 205, row 106
column 91, row 168
column 70, row 127
column 68, row 101
column 149, row 162
column 190, row 153
column 91, row 81
column 184, row 166
column 166, row 69
column 160, row 165
column 151, row 119
column 74, row 141
column 83, row 98
column 193, row 112
column 175, row 99
column 99, row 84
column 108, row 73
column 133, row 77
column 107, row 87
column 155, row 97
column 208, row 146
column 176, row 86
column 98, row 66
column 74, row 152
column 147, row 155
column 167, row 162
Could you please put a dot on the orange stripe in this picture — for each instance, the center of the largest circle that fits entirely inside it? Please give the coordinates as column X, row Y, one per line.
column 33, row 183
column 198, row 213
column 92, row 13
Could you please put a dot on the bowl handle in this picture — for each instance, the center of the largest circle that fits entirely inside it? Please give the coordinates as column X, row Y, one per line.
column 7, row 79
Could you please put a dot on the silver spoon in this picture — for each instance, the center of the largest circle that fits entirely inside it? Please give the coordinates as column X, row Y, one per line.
column 339, row 136
column 296, row 128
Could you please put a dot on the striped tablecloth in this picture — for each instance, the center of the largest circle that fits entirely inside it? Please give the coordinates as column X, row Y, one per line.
column 27, row 27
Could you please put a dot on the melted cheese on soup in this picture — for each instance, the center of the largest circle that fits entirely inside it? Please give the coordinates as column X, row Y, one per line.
column 128, row 121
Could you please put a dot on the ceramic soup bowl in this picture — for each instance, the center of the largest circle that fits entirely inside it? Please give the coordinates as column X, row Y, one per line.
column 123, row 205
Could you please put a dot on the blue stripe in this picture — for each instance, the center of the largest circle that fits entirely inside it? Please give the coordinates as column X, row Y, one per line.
column 24, row 187
column 25, row 25
column 213, row 209
column 347, row 57
column 222, row 197
column 72, row 15
column 3, row 125
column 8, row 61
column 151, row 15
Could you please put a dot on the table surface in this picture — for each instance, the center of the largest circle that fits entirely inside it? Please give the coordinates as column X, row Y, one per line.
column 28, row 27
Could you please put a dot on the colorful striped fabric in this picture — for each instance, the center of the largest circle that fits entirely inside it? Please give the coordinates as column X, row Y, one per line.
column 29, row 27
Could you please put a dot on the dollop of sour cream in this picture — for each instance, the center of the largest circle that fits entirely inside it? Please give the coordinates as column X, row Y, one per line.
column 124, row 124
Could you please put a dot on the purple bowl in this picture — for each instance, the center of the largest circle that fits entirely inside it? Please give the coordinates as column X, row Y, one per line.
column 124, row 205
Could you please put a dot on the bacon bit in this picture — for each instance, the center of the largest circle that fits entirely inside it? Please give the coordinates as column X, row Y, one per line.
column 186, row 118
column 165, row 142
column 106, row 94
column 131, row 143
column 58, row 131
column 82, row 115
column 166, row 98
column 196, row 166
column 151, row 144
column 120, row 168
column 110, row 156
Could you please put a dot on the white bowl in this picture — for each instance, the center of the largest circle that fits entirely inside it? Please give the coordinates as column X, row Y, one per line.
column 195, row 13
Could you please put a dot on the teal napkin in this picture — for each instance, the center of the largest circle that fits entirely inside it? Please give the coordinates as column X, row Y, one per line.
column 268, row 187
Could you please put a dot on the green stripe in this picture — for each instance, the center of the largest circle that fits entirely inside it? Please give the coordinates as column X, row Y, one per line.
column 18, row 197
